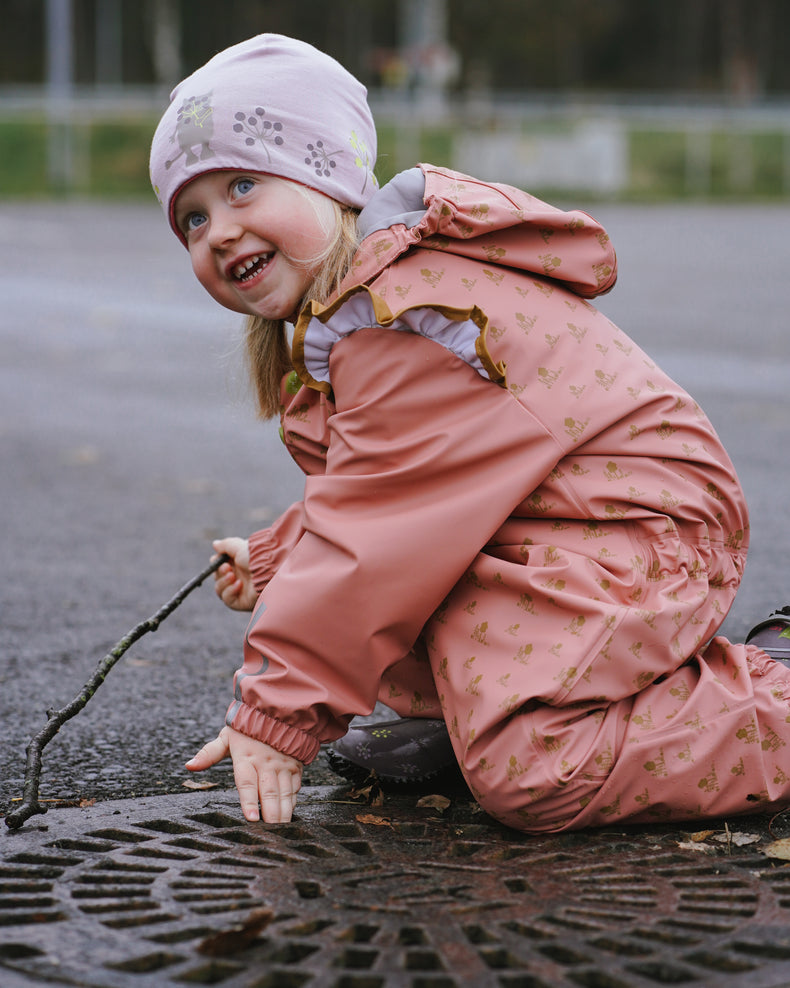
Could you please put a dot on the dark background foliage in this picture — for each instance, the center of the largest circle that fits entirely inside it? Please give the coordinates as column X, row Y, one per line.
column 732, row 47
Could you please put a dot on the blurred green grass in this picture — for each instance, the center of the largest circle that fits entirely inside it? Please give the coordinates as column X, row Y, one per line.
column 110, row 160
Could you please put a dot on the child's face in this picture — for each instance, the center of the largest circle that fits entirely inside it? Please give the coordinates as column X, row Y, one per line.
column 251, row 238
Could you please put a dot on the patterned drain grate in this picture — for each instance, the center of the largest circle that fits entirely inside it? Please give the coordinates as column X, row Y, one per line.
column 125, row 894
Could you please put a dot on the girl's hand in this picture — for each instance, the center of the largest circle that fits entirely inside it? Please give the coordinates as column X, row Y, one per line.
column 233, row 581
column 264, row 777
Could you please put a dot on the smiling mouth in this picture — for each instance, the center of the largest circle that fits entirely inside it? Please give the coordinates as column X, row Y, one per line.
column 250, row 267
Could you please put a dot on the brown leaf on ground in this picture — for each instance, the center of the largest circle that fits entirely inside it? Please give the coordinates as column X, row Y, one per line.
column 370, row 791
column 434, row 802
column 701, row 847
column 778, row 849
column 196, row 784
column 236, row 937
column 373, row 821
column 737, row 838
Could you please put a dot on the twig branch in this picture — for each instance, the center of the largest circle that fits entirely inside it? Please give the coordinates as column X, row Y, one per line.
column 56, row 718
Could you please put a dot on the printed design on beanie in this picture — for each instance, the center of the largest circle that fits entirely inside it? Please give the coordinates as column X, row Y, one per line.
column 194, row 129
column 362, row 159
column 323, row 161
column 260, row 130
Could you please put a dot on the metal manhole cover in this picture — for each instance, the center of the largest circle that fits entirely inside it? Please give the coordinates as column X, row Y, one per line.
column 181, row 890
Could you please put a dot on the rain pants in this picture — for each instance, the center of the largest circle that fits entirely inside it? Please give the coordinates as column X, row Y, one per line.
column 514, row 520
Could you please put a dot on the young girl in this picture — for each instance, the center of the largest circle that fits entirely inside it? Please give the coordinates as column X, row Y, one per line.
column 514, row 523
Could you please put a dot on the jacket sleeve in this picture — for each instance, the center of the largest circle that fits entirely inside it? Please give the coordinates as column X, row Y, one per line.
column 270, row 547
column 426, row 460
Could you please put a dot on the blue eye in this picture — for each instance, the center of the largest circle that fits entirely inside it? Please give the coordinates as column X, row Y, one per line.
column 242, row 186
column 193, row 221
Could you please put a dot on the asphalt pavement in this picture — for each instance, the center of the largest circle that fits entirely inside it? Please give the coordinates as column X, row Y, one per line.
column 128, row 442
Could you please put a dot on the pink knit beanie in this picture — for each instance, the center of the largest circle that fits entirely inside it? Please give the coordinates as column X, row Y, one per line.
column 270, row 104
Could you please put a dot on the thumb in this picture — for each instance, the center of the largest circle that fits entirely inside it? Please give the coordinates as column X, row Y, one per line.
column 210, row 753
column 229, row 546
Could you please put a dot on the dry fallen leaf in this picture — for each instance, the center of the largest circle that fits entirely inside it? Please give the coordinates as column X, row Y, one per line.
column 778, row 849
column 738, row 839
column 195, row 784
column 236, row 937
column 370, row 791
column 374, row 821
column 435, row 802
column 691, row 845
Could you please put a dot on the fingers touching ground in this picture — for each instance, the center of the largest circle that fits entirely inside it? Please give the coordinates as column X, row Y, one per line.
column 273, row 791
column 266, row 779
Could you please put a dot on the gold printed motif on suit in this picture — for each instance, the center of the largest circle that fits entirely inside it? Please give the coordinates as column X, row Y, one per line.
column 549, row 262
column 772, row 741
column 605, row 759
column 577, row 332
column 709, row 782
column 431, row 277
column 550, row 744
column 613, row 809
column 657, row 766
column 575, row 429
column 668, row 500
column 606, row 381
column 525, row 322
column 479, row 634
column 494, row 253
column 497, row 277
column 473, row 685
column 523, row 654
column 614, row 472
column 549, row 377
column 526, row 603
column 601, row 272
column 381, row 248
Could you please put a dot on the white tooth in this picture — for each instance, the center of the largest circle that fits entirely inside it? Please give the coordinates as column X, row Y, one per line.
column 241, row 269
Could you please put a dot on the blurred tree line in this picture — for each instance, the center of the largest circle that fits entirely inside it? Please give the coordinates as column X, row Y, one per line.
column 735, row 48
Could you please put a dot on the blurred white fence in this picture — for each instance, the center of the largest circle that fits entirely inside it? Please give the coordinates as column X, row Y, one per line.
column 585, row 143
column 562, row 142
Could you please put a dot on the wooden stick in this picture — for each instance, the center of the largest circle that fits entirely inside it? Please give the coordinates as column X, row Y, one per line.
column 56, row 718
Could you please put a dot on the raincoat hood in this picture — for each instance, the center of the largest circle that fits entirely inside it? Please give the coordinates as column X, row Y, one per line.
column 498, row 224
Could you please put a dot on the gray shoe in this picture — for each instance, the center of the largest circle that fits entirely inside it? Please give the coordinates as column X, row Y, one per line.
column 773, row 636
column 410, row 749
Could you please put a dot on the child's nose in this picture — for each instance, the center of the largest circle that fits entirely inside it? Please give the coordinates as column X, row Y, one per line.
column 224, row 229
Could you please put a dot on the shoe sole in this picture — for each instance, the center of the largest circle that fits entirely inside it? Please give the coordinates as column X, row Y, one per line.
column 349, row 770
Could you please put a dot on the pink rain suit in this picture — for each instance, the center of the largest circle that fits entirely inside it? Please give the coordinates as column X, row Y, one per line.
column 512, row 519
